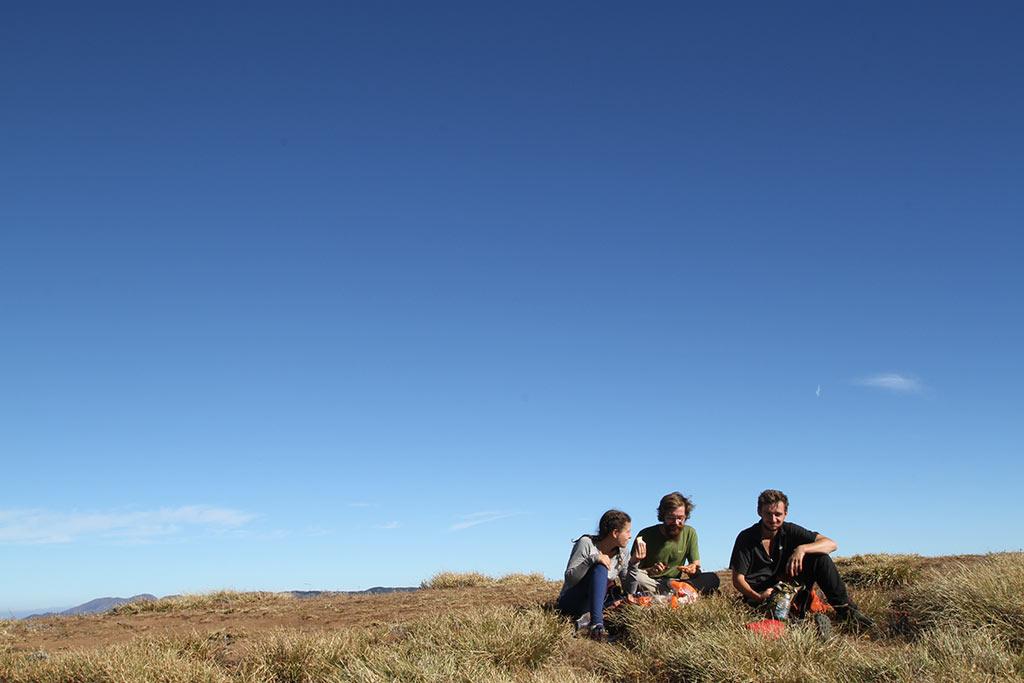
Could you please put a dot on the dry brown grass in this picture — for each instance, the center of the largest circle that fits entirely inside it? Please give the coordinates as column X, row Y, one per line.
column 971, row 595
column 448, row 580
column 513, row 580
column 886, row 571
column 964, row 630
column 151, row 660
column 224, row 601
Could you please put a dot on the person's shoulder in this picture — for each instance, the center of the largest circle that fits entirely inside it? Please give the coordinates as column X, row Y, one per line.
column 743, row 548
column 647, row 532
column 792, row 529
column 750, row 534
column 752, row 530
column 584, row 541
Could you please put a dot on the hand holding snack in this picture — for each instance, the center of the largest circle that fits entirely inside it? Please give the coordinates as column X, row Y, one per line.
column 639, row 550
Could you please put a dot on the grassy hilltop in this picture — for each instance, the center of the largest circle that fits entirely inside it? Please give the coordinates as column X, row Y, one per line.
column 939, row 619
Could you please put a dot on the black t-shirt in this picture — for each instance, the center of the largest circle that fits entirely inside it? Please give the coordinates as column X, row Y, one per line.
column 760, row 569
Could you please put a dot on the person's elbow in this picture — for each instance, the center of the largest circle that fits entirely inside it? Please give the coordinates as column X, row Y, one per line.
column 737, row 580
column 824, row 544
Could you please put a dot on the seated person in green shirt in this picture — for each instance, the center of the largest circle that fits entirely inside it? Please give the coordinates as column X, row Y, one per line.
column 672, row 550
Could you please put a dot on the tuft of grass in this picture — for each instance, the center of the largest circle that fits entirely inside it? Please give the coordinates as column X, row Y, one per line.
column 156, row 660
column 534, row 579
column 295, row 657
column 508, row 638
column 485, row 644
column 708, row 642
column 963, row 654
column 691, row 649
column 448, row 580
column 224, row 601
column 964, row 595
column 888, row 571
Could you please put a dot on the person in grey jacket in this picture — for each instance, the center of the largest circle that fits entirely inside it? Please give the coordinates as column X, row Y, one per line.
column 593, row 560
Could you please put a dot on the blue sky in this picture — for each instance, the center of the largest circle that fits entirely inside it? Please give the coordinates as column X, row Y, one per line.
column 334, row 296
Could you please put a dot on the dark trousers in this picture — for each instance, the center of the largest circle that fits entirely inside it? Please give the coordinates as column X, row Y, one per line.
column 706, row 583
column 588, row 595
column 818, row 569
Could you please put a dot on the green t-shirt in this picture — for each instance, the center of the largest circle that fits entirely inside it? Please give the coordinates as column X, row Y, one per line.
column 673, row 552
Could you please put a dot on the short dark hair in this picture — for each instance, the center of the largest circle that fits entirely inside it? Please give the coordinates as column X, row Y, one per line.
column 771, row 497
column 613, row 520
column 671, row 501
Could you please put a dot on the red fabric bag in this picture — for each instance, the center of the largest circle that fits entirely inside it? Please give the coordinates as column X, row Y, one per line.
column 769, row 628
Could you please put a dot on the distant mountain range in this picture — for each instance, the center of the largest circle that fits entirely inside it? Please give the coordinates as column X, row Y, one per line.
column 100, row 605
column 95, row 606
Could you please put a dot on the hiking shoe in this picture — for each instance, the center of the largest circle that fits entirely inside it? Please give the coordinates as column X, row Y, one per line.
column 598, row 633
column 582, row 627
column 854, row 619
column 822, row 624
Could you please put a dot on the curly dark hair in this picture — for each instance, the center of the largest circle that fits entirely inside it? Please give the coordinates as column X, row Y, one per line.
column 671, row 501
column 613, row 520
column 771, row 497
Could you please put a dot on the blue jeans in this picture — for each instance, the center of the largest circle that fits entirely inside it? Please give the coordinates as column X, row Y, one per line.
column 588, row 595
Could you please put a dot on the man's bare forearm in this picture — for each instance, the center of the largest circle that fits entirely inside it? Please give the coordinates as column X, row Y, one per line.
column 739, row 582
column 822, row 544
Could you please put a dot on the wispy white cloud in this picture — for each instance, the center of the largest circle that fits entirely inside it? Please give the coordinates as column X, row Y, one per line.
column 891, row 381
column 47, row 526
column 388, row 525
column 481, row 518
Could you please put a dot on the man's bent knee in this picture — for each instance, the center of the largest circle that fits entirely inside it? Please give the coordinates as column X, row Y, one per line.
column 645, row 582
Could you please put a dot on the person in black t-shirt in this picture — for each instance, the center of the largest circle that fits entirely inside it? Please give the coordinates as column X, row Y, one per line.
column 774, row 550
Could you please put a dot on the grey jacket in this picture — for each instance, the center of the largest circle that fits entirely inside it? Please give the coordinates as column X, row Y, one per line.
column 584, row 556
